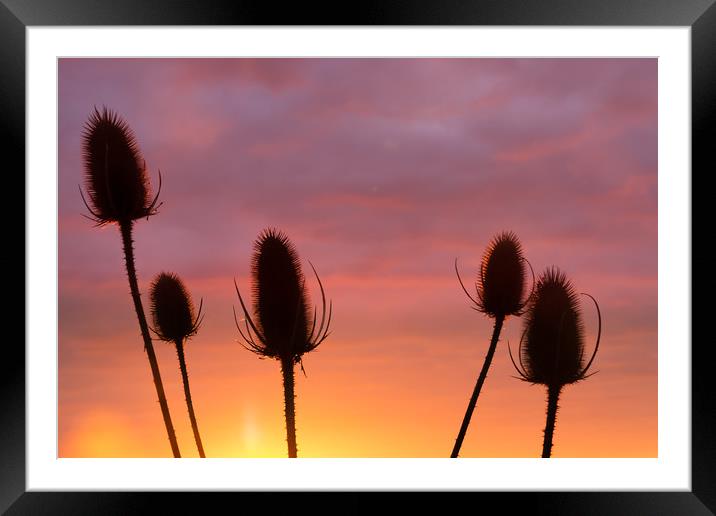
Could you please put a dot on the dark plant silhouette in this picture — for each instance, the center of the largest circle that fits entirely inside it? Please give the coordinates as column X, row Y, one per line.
column 175, row 321
column 500, row 293
column 282, row 326
column 118, row 189
column 552, row 346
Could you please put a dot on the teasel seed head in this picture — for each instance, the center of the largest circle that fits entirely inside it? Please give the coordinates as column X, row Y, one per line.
column 552, row 347
column 282, row 325
column 172, row 309
column 115, row 175
column 500, row 287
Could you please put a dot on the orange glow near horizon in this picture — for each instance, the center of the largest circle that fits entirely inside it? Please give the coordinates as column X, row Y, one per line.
column 355, row 401
column 380, row 183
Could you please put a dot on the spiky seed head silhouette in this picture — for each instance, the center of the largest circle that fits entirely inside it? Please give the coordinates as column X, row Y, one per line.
column 115, row 175
column 172, row 309
column 280, row 300
column 282, row 324
column 500, row 287
column 552, row 348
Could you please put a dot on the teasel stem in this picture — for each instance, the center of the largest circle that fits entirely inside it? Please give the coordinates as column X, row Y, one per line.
column 125, row 228
column 553, row 393
column 187, row 393
column 290, row 406
column 499, row 319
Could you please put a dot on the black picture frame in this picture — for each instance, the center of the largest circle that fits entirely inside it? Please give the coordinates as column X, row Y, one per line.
column 16, row 15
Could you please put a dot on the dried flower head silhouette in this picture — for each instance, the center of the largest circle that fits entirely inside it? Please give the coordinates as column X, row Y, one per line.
column 118, row 189
column 282, row 326
column 552, row 346
column 116, row 178
column 175, row 321
column 500, row 293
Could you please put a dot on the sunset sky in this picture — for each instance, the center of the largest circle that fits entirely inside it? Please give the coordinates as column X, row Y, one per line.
column 382, row 172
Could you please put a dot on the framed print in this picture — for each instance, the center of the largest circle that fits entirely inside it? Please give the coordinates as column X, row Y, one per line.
column 428, row 249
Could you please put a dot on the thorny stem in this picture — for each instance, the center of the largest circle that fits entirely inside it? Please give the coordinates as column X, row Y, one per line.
column 552, row 399
column 126, row 230
column 187, row 394
column 478, row 386
column 290, row 406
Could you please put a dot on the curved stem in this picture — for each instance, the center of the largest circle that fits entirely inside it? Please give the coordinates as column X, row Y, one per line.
column 126, row 230
column 552, row 399
column 290, row 406
column 187, row 395
column 478, row 386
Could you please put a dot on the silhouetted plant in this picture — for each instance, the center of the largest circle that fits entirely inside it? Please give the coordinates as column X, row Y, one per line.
column 500, row 291
column 118, row 190
column 175, row 321
column 553, row 351
column 282, row 326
